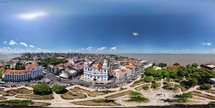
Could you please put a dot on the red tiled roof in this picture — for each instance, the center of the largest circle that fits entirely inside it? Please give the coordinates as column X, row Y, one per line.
column 17, row 72
column 31, row 66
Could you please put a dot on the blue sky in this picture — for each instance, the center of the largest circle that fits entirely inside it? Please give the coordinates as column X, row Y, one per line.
column 107, row 26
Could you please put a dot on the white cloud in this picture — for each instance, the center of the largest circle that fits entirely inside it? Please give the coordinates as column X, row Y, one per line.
column 31, row 46
column 135, row 34
column 5, row 42
column 207, row 43
column 32, row 15
column 113, row 48
column 89, row 48
column 102, row 48
column 23, row 44
column 6, row 48
column 39, row 49
column 12, row 42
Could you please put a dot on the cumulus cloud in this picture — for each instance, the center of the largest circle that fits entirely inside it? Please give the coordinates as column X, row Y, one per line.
column 23, row 44
column 12, row 42
column 113, row 48
column 82, row 49
column 32, row 15
column 207, row 43
column 5, row 42
column 89, row 48
column 102, row 48
column 31, row 46
column 135, row 34
column 8, row 50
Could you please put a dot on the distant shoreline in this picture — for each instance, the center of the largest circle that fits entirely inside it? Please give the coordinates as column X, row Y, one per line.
column 8, row 57
column 170, row 59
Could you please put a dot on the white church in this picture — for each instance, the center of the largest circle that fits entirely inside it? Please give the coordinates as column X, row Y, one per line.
column 97, row 72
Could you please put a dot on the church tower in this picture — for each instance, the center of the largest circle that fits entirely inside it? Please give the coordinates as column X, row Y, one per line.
column 104, row 66
column 86, row 66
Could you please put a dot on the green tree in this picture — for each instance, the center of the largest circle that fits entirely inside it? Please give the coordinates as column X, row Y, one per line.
column 187, row 95
column 135, row 94
column 42, row 89
column 173, row 74
column 205, row 86
column 176, row 64
column 165, row 73
column 176, row 86
column 149, row 71
column 148, row 79
column 168, row 86
column 59, row 89
column 145, row 87
column 188, row 66
column 195, row 65
column 162, row 65
column 155, row 85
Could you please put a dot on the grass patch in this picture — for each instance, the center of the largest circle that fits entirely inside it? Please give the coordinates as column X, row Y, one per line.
column 209, row 91
column 40, row 104
column 211, row 103
column 16, row 102
column 180, row 100
column 13, row 92
column 196, row 93
column 183, row 97
column 119, row 94
column 36, row 97
column 183, row 89
column 79, row 90
column 72, row 95
column 2, row 92
column 24, row 91
column 141, row 87
column 145, row 87
column 97, row 102
column 121, row 88
column 3, row 98
column 23, row 103
column 98, row 93
column 137, row 82
column 155, row 85
column 137, row 97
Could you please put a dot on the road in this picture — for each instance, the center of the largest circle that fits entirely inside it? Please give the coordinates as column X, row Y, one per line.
column 76, row 81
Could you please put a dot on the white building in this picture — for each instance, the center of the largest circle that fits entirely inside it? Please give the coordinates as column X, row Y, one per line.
column 68, row 73
column 52, row 69
column 124, row 71
column 33, row 71
column 97, row 72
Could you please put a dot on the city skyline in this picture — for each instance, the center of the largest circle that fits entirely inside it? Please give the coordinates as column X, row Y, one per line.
column 122, row 26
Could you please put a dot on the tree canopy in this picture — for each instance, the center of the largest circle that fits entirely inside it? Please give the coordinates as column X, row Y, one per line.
column 193, row 74
column 162, row 65
column 42, row 89
column 52, row 61
column 59, row 89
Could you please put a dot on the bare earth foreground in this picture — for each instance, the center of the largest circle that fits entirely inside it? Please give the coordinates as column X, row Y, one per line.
column 78, row 96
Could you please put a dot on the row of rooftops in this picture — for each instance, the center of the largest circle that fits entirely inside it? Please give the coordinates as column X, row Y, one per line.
column 28, row 70
column 208, row 66
column 98, row 64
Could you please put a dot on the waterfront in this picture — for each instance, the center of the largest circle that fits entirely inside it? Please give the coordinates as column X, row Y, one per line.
column 8, row 57
column 182, row 59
